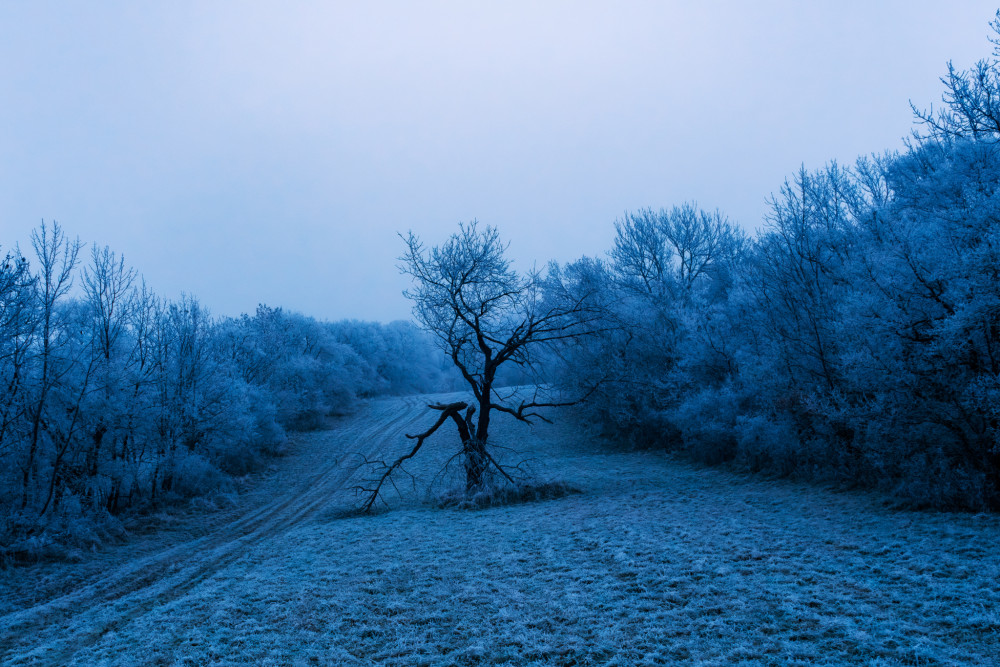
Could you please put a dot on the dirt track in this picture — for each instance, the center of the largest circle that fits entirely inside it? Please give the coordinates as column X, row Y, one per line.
column 656, row 562
column 52, row 632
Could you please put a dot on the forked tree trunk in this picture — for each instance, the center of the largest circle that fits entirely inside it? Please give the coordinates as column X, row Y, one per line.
column 476, row 463
column 474, row 448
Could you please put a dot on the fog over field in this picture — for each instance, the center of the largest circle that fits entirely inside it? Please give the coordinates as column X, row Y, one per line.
column 534, row 334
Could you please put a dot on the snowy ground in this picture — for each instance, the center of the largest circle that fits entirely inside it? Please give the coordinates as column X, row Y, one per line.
column 656, row 562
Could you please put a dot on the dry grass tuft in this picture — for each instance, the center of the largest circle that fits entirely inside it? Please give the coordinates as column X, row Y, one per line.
column 508, row 494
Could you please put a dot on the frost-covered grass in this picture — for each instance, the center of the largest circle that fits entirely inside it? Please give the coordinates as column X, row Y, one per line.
column 655, row 562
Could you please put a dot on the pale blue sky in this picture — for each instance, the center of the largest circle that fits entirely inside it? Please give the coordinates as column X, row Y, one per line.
column 251, row 152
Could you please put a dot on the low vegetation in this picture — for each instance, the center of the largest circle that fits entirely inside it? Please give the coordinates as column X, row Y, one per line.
column 655, row 562
column 855, row 338
column 115, row 401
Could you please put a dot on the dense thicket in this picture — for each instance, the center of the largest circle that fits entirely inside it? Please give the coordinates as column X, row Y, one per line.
column 856, row 337
column 112, row 399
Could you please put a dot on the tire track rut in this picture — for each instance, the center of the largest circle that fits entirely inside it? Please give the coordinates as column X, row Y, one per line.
column 57, row 629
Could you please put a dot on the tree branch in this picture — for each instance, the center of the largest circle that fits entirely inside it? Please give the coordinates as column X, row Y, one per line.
column 449, row 410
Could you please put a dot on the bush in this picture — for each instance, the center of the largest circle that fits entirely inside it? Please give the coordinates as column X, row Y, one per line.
column 193, row 475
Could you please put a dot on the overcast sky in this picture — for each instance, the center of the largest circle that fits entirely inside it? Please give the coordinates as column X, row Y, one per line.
column 248, row 152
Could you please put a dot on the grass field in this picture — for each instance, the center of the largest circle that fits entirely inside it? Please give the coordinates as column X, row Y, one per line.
column 654, row 562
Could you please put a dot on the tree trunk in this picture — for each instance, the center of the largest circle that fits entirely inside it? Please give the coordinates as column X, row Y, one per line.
column 29, row 468
column 476, row 463
column 473, row 446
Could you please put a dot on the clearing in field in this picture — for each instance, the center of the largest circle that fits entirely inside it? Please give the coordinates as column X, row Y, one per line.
column 653, row 562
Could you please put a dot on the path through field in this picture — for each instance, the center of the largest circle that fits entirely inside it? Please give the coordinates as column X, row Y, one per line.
column 655, row 562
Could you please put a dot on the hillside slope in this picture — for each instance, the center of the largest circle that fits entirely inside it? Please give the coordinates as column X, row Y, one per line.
column 655, row 562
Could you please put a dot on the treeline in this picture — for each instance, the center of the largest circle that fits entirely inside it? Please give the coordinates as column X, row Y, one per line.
column 114, row 400
column 855, row 338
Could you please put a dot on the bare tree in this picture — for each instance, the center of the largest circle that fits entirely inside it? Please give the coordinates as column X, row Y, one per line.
column 971, row 100
column 666, row 253
column 484, row 315
column 108, row 287
column 57, row 258
column 17, row 320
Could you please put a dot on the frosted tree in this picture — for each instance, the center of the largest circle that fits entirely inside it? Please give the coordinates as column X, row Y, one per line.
column 17, row 319
column 485, row 316
column 971, row 100
column 666, row 268
column 108, row 289
column 672, row 251
column 57, row 257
